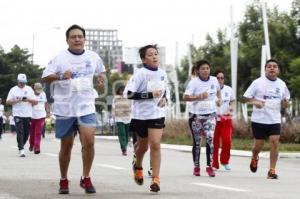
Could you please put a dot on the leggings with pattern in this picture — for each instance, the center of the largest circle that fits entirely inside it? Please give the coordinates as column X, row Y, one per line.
column 202, row 125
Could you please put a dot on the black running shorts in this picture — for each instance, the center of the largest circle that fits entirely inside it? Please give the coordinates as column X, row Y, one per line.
column 141, row 126
column 263, row 131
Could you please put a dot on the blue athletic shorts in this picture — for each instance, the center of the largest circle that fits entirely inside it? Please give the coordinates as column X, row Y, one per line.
column 68, row 126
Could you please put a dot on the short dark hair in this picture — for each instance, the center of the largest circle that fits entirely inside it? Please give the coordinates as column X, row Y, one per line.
column 219, row 71
column 120, row 90
column 143, row 50
column 200, row 63
column 74, row 26
column 271, row 60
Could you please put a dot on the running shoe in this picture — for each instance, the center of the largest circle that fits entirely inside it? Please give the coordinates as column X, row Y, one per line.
column 227, row 167
column 86, row 184
column 210, row 171
column 253, row 165
column 63, row 186
column 138, row 175
column 154, row 187
column 22, row 153
column 272, row 174
column 196, row 171
column 150, row 172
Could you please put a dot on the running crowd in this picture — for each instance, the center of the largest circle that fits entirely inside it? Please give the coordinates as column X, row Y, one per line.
column 139, row 107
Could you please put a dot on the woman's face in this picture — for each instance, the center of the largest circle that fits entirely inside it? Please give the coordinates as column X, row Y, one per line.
column 204, row 71
column 151, row 58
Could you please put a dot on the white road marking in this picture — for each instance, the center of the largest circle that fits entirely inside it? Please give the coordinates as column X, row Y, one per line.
column 111, row 166
column 220, row 187
column 7, row 196
column 51, row 154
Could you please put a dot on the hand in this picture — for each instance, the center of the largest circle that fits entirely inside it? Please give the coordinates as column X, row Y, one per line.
column 162, row 102
column 67, row 74
column 285, row 103
column 157, row 94
column 259, row 104
column 219, row 102
column 204, row 95
column 101, row 81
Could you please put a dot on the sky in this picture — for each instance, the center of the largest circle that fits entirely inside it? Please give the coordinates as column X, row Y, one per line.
column 139, row 22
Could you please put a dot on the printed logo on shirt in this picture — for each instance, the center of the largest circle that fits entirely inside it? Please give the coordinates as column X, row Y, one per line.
column 212, row 86
column 162, row 78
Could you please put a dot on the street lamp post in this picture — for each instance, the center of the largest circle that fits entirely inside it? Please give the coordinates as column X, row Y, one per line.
column 33, row 40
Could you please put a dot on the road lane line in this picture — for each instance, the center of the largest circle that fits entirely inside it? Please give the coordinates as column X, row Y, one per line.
column 51, row 154
column 7, row 196
column 220, row 187
column 111, row 166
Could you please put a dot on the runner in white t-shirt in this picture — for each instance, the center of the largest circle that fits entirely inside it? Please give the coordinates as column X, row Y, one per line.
column 1, row 118
column 267, row 94
column 22, row 98
column 37, row 119
column 148, row 88
column 201, row 92
column 224, row 127
column 71, row 75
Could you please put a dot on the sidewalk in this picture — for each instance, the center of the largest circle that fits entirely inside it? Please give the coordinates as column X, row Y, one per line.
column 186, row 148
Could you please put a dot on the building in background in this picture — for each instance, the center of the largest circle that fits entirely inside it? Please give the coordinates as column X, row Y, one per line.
column 106, row 44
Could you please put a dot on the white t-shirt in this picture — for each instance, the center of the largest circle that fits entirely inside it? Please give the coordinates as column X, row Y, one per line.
column 1, row 110
column 143, row 81
column 74, row 97
column 21, row 109
column 272, row 93
column 39, row 111
column 227, row 97
column 195, row 87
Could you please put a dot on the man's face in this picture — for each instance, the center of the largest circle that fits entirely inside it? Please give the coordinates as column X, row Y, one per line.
column 76, row 40
column 272, row 70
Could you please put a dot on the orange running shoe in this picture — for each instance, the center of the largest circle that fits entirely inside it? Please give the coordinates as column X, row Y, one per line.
column 154, row 187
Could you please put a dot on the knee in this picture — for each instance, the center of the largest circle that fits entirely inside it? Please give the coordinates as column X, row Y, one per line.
column 155, row 146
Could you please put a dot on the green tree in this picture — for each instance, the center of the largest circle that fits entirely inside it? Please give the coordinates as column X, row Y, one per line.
column 14, row 62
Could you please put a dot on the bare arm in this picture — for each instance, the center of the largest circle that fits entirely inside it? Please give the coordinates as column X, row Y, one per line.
column 257, row 103
column 54, row 77
column 190, row 98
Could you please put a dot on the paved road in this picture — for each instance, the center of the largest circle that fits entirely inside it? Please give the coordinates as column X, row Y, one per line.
column 36, row 176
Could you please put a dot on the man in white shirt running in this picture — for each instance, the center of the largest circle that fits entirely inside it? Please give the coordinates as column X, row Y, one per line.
column 2, row 121
column 22, row 98
column 268, row 94
column 71, row 75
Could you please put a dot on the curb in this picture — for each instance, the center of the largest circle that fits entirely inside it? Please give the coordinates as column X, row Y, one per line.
column 187, row 148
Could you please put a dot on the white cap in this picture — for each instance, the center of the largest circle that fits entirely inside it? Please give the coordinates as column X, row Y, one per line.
column 22, row 78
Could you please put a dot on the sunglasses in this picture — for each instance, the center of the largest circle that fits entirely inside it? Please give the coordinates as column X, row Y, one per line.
column 220, row 77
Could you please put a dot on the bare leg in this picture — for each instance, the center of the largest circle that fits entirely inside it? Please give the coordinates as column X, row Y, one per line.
column 140, row 150
column 87, row 138
column 154, row 138
column 274, row 145
column 66, row 145
column 257, row 146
